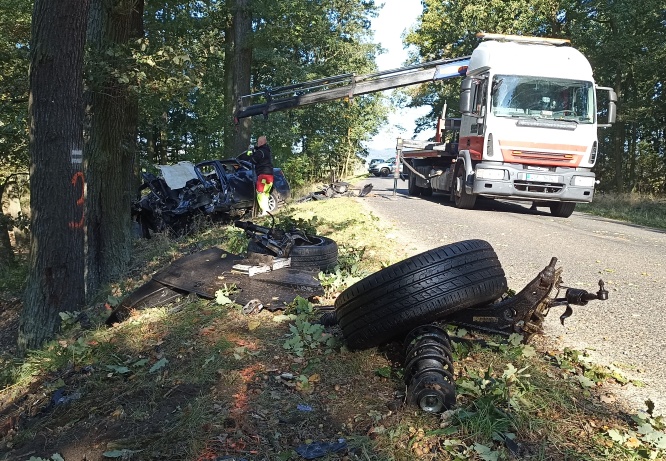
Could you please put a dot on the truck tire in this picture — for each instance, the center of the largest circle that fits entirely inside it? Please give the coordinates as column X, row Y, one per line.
column 412, row 188
column 461, row 198
column 322, row 254
column 422, row 289
column 562, row 209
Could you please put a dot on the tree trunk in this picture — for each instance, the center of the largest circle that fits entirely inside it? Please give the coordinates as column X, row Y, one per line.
column 6, row 250
column 56, row 275
column 237, row 73
column 111, row 148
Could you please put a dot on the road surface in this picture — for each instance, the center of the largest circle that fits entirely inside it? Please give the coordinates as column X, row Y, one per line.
column 628, row 330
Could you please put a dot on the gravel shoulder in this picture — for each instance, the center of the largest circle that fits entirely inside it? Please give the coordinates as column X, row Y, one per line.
column 627, row 331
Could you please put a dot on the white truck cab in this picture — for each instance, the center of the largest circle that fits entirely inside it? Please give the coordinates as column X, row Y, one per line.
column 529, row 124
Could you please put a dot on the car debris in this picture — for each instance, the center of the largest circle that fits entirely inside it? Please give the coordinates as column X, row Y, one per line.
column 335, row 190
column 205, row 272
column 302, row 249
column 214, row 189
column 428, row 360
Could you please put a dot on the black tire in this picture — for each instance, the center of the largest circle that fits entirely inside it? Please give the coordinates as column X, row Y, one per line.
column 322, row 254
column 461, row 198
column 422, row 289
column 426, row 191
column 562, row 209
column 412, row 188
column 384, row 172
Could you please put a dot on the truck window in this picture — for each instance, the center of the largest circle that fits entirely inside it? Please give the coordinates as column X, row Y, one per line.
column 480, row 91
column 549, row 98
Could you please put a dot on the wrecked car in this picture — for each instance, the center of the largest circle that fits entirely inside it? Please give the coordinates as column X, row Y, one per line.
column 216, row 189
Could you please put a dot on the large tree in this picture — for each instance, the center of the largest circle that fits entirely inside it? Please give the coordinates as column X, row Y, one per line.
column 55, row 282
column 238, row 67
column 111, row 148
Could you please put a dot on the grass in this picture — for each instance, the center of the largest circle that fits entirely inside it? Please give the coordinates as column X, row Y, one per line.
column 641, row 209
column 196, row 380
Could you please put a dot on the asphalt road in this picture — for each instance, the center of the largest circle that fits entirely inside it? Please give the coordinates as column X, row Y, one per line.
column 629, row 329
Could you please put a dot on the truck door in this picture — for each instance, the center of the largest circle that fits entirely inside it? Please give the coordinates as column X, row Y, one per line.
column 473, row 107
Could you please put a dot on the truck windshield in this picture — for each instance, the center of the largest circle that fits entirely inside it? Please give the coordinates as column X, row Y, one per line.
column 547, row 98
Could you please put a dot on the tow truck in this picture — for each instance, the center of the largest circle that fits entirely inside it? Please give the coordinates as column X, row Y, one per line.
column 528, row 129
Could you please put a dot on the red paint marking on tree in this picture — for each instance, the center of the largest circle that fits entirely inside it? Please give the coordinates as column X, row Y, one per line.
column 78, row 177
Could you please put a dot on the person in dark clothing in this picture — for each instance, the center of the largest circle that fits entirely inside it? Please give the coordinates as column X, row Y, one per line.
column 260, row 155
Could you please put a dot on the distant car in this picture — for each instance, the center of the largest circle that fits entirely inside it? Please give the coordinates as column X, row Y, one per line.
column 373, row 162
column 215, row 188
column 385, row 168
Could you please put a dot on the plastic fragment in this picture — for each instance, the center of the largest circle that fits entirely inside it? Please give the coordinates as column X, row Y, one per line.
column 318, row 449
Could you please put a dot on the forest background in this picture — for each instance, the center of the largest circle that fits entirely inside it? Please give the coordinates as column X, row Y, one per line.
column 94, row 91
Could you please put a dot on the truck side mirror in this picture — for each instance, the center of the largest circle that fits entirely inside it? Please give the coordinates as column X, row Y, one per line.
column 466, row 96
column 612, row 106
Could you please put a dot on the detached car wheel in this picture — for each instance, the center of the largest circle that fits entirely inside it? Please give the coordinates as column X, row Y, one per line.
column 422, row 289
column 321, row 254
column 273, row 202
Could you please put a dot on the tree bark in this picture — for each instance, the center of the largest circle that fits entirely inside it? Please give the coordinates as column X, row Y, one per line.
column 237, row 73
column 111, row 147
column 56, row 275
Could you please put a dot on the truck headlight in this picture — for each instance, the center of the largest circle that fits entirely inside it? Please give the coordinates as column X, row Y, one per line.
column 583, row 181
column 487, row 173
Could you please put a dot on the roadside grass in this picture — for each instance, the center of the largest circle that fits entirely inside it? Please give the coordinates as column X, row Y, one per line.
column 641, row 209
column 197, row 380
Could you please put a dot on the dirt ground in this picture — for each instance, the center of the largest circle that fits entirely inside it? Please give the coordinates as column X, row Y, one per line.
column 9, row 316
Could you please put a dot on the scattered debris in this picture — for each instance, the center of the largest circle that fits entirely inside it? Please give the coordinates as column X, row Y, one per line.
column 205, row 272
column 319, row 449
column 337, row 189
column 254, row 306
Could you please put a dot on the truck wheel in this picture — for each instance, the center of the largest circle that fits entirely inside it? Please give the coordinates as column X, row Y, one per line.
column 322, row 254
column 412, row 188
column 562, row 209
column 384, row 172
column 422, row 289
column 461, row 198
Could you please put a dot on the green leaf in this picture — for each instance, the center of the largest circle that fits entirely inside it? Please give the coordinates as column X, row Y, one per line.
column 118, row 369
column 529, row 351
column 221, row 298
column 384, row 372
column 140, row 363
column 161, row 363
column 615, row 436
column 585, row 381
column 486, row 453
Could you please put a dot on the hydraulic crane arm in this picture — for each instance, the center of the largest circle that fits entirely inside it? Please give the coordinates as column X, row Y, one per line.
column 348, row 86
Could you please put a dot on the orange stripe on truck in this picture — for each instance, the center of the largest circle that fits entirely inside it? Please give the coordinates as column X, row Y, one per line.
column 539, row 153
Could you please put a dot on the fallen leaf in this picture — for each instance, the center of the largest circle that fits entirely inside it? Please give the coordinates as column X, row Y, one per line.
column 632, row 442
column 253, row 325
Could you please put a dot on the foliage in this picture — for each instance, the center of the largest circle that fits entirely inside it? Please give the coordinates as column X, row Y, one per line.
column 319, row 38
column 642, row 209
column 15, row 16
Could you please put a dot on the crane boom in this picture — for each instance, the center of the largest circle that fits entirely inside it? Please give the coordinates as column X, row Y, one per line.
column 348, row 86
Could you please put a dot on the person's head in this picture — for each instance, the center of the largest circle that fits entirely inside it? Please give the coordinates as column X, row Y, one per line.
column 261, row 141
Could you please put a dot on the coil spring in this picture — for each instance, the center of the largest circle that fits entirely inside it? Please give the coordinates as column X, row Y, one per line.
column 429, row 369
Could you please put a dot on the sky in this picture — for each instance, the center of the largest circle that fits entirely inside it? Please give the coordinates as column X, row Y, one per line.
column 394, row 18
